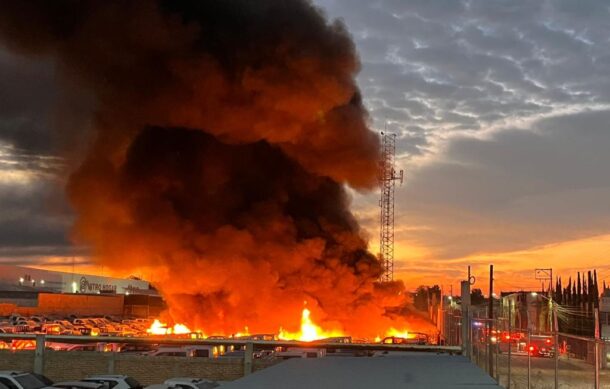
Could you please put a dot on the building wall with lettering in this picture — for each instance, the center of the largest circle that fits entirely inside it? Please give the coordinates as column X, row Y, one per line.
column 20, row 278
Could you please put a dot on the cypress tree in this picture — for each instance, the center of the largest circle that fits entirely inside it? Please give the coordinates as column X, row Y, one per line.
column 574, row 295
column 579, row 291
column 596, row 288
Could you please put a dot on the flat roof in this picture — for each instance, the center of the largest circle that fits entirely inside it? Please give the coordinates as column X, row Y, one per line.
column 396, row 370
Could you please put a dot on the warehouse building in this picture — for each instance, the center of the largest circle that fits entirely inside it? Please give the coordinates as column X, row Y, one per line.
column 32, row 291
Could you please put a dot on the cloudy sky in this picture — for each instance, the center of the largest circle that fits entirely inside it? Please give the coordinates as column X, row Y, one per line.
column 501, row 110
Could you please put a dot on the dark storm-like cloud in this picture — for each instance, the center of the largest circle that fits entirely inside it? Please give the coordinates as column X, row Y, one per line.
column 477, row 63
column 27, row 92
column 34, row 217
column 34, row 220
column 499, row 147
column 433, row 70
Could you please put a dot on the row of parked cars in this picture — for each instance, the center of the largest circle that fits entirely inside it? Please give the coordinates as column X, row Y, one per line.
column 25, row 380
column 74, row 325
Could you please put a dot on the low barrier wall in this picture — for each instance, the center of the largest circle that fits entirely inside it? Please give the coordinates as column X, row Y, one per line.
column 75, row 365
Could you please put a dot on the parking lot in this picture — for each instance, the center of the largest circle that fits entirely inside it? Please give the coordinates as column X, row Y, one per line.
column 74, row 325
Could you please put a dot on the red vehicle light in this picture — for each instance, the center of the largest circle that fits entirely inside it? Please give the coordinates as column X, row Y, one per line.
column 531, row 348
column 548, row 341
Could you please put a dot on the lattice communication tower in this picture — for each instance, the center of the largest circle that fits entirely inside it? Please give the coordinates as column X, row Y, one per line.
column 387, row 182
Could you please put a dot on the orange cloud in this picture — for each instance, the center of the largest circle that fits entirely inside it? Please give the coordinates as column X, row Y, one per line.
column 513, row 270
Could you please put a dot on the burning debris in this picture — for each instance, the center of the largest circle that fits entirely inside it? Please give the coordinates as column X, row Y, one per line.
column 223, row 135
column 158, row 328
column 309, row 331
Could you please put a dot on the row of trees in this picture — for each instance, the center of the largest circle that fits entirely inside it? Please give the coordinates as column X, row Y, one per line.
column 580, row 293
column 578, row 301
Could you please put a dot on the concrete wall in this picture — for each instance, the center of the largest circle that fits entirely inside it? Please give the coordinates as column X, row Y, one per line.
column 69, row 304
column 82, row 304
column 68, row 365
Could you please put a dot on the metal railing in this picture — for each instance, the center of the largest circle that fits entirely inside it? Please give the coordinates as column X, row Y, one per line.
column 249, row 345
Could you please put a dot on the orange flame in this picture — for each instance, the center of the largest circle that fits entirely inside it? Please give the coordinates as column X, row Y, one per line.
column 309, row 330
column 158, row 328
column 245, row 333
column 400, row 334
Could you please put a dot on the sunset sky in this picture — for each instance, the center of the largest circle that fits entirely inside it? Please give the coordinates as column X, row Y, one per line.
column 501, row 109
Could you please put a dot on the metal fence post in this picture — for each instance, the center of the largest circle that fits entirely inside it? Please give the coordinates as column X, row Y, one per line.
column 470, row 336
column 39, row 354
column 510, row 338
column 556, row 326
column 529, row 357
column 248, row 358
column 596, row 347
column 596, row 350
column 496, row 348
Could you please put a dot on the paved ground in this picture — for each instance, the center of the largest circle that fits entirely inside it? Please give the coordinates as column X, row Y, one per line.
column 405, row 370
column 573, row 373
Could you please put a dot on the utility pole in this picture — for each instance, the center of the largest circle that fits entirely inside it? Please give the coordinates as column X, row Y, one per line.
column 510, row 336
column 465, row 294
column 490, row 317
column 596, row 348
column 546, row 274
column 387, row 182
column 556, row 340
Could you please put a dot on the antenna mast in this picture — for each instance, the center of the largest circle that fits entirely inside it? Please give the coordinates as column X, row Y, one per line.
column 387, row 183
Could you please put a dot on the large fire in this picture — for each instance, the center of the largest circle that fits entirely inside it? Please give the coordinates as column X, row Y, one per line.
column 158, row 328
column 400, row 333
column 219, row 161
column 309, row 331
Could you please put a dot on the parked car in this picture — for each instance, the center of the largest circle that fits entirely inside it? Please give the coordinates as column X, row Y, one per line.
column 20, row 380
column 185, row 351
column 168, row 352
column 43, row 378
column 115, row 381
column 233, row 354
column 298, row 352
column 80, row 385
column 541, row 346
column 190, row 383
column 418, row 338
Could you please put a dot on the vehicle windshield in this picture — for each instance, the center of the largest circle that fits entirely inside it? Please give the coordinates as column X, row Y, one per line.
column 28, row 381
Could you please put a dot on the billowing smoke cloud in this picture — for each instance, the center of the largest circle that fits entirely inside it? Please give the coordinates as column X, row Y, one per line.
column 225, row 132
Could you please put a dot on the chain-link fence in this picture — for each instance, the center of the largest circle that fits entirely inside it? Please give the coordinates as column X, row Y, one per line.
column 519, row 358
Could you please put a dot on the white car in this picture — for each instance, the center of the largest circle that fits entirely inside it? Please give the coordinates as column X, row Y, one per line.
column 190, row 383
column 20, row 380
column 115, row 381
column 168, row 352
column 80, row 385
column 186, row 351
column 298, row 352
